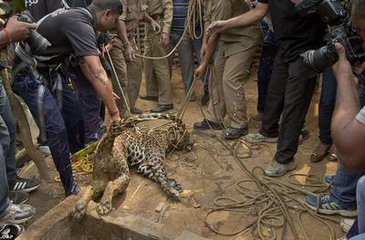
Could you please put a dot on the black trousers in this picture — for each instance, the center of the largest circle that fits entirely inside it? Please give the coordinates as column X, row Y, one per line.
column 289, row 94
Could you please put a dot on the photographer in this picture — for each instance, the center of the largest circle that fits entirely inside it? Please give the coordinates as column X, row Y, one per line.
column 348, row 123
column 69, row 31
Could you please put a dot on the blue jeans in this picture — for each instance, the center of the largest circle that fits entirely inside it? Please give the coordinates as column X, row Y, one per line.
column 360, row 197
column 344, row 185
column 7, row 149
column 359, row 225
column 91, row 105
column 188, row 49
column 4, row 188
column 269, row 49
column 54, row 122
column 327, row 105
column 8, row 144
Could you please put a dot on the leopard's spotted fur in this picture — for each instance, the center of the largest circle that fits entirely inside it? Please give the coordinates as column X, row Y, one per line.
column 144, row 150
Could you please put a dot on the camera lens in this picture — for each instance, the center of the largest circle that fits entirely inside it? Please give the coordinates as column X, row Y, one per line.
column 321, row 58
column 37, row 42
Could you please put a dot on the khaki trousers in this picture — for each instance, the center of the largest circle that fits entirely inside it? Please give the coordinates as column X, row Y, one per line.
column 227, row 92
column 157, row 72
column 129, row 74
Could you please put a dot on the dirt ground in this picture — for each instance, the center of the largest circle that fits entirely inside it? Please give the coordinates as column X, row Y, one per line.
column 208, row 172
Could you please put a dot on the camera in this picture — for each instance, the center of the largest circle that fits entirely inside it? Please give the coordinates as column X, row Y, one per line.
column 36, row 41
column 336, row 17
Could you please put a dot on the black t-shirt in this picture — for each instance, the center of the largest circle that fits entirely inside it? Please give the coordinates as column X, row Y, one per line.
column 295, row 34
column 40, row 8
column 80, row 3
column 69, row 31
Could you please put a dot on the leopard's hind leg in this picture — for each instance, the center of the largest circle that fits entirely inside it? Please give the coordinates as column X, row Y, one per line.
column 118, row 185
column 112, row 189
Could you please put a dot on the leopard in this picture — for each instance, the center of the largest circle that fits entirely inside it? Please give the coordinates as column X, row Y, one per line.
column 125, row 146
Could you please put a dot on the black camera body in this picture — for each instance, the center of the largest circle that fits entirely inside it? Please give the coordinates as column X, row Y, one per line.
column 336, row 17
column 36, row 41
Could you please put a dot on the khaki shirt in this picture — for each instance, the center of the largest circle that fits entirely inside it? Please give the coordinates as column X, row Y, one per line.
column 163, row 9
column 133, row 13
column 235, row 39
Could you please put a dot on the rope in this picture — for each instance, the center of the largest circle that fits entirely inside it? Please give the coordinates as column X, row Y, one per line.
column 191, row 17
column 117, row 78
column 272, row 201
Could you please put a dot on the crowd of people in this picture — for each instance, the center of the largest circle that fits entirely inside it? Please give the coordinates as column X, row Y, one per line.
column 92, row 45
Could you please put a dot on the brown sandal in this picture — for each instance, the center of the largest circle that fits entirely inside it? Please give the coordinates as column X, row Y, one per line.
column 320, row 152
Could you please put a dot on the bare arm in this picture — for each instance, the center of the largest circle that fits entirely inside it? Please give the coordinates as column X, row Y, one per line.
column 95, row 73
column 347, row 132
column 243, row 20
column 122, row 34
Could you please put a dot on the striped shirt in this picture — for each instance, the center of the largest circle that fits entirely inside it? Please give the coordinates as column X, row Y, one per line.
column 179, row 16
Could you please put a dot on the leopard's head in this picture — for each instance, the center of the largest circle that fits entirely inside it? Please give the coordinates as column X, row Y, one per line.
column 179, row 137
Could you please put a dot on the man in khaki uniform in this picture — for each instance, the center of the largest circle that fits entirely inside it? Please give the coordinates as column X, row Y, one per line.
column 237, row 47
column 127, row 66
column 157, row 72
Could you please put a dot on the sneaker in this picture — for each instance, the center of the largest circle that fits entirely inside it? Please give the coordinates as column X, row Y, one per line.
column 18, row 197
column 10, row 231
column 17, row 213
column 328, row 180
column 23, row 184
column 326, row 205
column 346, row 224
column 278, row 169
column 258, row 138
column 45, row 151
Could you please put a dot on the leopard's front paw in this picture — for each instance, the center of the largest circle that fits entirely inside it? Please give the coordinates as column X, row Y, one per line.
column 174, row 194
column 80, row 210
column 172, row 189
column 104, row 207
column 173, row 184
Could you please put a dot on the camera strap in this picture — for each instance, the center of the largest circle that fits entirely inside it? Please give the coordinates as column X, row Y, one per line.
column 53, row 81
